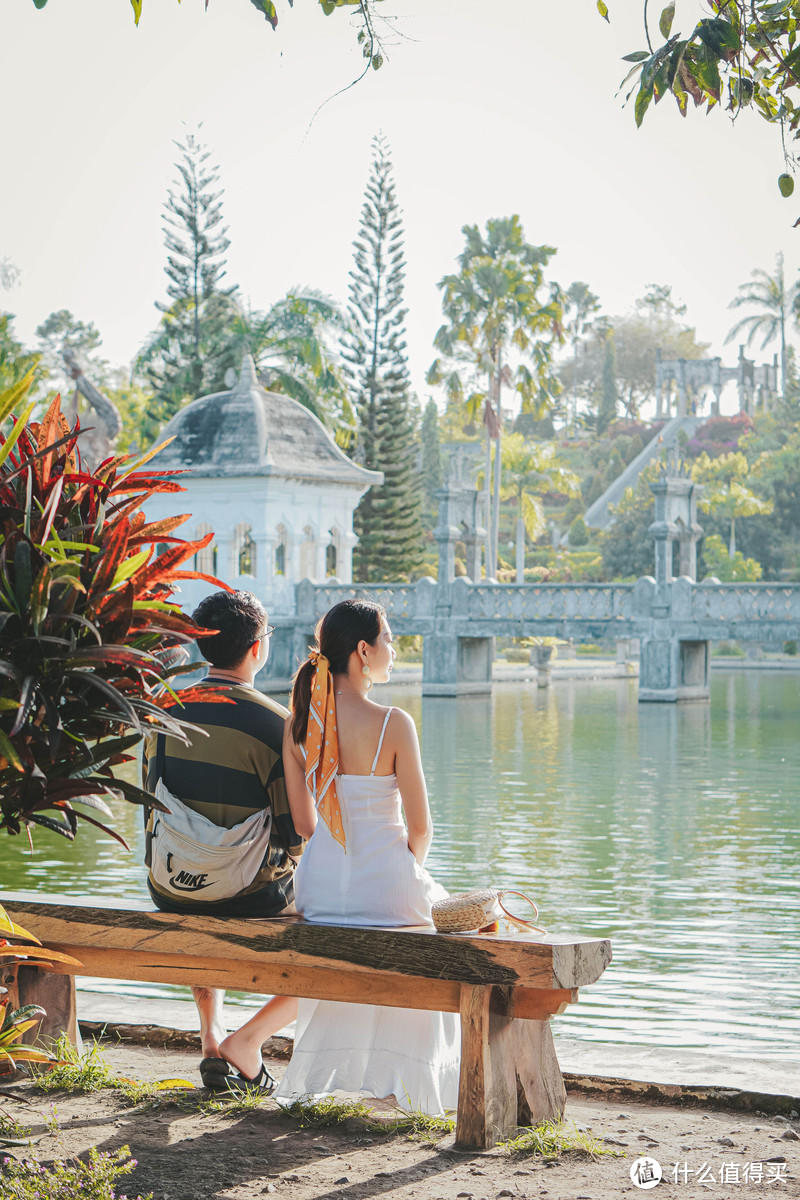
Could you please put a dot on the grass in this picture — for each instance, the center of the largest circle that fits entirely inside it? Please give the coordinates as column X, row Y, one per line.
column 75, row 1072
column 78, row 1073
column 11, row 1132
column 329, row 1112
column 234, row 1104
column 551, row 1139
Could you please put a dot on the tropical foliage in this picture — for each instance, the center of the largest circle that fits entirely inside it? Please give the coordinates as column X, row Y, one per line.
column 367, row 34
column 773, row 304
column 744, row 54
column 729, row 568
column 725, row 492
column 502, row 322
column 89, row 634
column 17, row 945
column 290, row 344
column 531, row 469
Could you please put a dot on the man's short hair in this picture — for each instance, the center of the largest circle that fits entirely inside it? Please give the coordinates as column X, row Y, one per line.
column 240, row 618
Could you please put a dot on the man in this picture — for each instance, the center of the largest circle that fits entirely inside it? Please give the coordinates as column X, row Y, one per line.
column 229, row 772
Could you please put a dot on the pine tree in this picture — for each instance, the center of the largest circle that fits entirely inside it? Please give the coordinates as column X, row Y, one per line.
column 431, row 459
column 193, row 347
column 387, row 521
column 607, row 409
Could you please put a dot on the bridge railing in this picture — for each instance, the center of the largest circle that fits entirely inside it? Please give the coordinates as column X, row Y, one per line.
column 735, row 604
column 581, row 610
column 404, row 602
column 543, row 601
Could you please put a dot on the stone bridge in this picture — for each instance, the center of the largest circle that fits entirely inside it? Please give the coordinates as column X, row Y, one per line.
column 674, row 623
column 674, row 619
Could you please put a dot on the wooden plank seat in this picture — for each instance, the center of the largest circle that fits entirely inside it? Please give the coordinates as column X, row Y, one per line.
column 505, row 987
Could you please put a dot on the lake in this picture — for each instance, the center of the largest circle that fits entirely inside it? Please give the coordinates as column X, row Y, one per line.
column 671, row 829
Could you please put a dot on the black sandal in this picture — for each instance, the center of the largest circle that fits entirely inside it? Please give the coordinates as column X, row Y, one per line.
column 264, row 1084
column 214, row 1073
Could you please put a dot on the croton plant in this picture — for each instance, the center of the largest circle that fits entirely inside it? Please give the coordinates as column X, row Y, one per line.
column 90, row 635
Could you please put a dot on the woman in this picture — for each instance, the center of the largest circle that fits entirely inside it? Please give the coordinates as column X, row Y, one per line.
column 353, row 771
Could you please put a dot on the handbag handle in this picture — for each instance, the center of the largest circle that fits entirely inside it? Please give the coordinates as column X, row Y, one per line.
column 520, row 922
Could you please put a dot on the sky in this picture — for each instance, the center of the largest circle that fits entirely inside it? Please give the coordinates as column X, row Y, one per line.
column 488, row 109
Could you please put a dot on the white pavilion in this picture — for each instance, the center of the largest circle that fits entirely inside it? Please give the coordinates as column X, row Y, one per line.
column 265, row 475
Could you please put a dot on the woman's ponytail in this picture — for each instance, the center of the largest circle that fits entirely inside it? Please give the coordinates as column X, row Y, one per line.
column 300, row 702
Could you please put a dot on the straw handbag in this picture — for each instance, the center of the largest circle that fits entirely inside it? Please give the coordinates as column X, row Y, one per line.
column 482, row 907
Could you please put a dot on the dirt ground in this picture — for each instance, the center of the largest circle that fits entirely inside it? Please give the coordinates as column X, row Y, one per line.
column 187, row 1154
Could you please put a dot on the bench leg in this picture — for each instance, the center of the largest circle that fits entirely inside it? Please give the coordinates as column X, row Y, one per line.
column 509, row 1073
column 56, row 995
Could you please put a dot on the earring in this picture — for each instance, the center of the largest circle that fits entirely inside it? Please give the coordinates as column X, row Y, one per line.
column 365, row 672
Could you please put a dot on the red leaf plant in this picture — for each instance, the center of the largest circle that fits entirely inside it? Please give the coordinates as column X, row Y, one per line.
column 90, row 634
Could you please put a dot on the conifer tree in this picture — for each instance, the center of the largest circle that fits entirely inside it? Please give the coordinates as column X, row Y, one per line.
column 607, row 409
column 431, row 459
column 191, row 350
column 387, row 521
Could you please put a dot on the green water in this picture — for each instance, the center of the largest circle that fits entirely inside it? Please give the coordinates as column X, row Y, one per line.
column 673, row 830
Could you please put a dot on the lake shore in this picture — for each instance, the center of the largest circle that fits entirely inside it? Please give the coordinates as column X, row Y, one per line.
column 186, row 1151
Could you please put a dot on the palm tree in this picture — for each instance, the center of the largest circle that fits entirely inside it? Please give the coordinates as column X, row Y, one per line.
column 530, row 468
column 580, row 306
column 725, row 491
column 774, row 303
column 496, row 317
column 290, row 344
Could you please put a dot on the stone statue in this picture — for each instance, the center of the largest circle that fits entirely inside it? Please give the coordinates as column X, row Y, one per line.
column 97, row 442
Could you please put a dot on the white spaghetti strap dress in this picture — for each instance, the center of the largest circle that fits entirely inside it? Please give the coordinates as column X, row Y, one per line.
column 369, row 1049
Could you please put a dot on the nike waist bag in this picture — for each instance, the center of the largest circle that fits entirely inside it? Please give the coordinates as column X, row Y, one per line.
column 191, row 856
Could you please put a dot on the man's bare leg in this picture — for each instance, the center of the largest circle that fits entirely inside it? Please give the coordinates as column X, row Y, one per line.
column 212, row 1025
column 242, row 1049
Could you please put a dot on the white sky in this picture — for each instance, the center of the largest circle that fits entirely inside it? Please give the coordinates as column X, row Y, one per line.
column 490, row 109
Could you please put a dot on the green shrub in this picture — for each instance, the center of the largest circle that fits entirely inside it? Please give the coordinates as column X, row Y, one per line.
column 790, row 647
column 728, row 650
column 516, row 654
column 726, row 569
column 578, row 533
column 409, row 648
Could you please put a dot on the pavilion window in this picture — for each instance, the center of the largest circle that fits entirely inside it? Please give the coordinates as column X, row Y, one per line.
column 245, row 550
column 205, row 560
column 280, row 551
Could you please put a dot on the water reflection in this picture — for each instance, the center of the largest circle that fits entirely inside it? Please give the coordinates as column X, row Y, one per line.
column 672, row 829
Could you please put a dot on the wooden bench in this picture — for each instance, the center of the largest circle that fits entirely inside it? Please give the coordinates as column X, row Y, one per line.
column 505, row 988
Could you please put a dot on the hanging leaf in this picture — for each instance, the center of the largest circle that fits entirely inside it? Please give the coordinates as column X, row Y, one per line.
column 268, row 9
column 666, row 19
column 785, row 184
column 602, row 8
column 136, row 5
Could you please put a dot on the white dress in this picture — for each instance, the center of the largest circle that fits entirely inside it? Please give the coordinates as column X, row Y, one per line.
column 369, row 1049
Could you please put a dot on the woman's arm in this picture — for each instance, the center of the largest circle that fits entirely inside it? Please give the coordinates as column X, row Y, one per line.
column 411, row 781
column 301, row 802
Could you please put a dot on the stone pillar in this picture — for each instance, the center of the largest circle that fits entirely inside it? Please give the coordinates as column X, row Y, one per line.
column 682, row 391
column 542, row 657
column 663, row 532
column 673, row 669
column 454, row 665
column 446, row 534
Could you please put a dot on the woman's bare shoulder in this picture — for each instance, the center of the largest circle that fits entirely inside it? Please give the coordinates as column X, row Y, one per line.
column 401, row 723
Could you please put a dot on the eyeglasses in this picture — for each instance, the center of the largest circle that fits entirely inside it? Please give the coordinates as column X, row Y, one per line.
column 268, row 632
